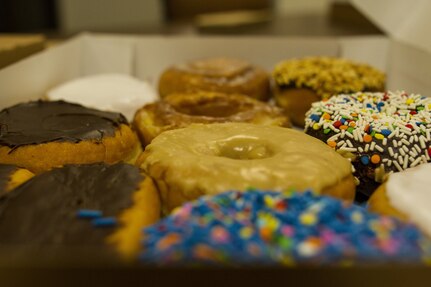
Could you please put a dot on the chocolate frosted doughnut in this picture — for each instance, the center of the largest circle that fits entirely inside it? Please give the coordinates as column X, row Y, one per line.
column 61, row 207
column 225, row 75
column 40, row 135
column 300, row 82
column 180, row 110
column 380, row 133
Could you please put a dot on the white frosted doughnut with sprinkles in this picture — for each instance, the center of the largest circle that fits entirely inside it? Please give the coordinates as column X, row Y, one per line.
column 389, row 132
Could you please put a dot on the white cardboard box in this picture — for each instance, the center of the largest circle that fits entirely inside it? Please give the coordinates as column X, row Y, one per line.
column 407, row 65
column 146, row 56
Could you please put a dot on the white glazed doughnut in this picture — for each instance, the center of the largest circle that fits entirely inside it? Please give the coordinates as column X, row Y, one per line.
column 110, row 92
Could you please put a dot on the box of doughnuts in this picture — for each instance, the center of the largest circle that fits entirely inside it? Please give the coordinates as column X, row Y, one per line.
column 163, row 155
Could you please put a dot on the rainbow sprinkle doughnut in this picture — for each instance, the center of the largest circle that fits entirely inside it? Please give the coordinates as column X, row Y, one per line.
column 380, row 132
column 257, row 227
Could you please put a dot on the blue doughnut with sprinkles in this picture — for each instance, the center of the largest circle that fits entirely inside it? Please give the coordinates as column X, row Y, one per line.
column 272, row 228
column 380, row 133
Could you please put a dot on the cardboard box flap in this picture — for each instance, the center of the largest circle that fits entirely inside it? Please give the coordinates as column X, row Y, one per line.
column 405, row 21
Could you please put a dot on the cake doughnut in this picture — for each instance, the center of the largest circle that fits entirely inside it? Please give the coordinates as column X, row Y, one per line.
column 180, row 110
column 209, row 159
column 12, row 176
column 256, row 228
column 300, row 82
column 381, row 133
column 107, row 92
column 225, row 75
column 80, row 205
column 40, row 135
column 406, row 195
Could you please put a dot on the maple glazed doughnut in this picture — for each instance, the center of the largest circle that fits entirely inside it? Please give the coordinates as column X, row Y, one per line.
column 209, row 159
column 180, row 110
column 380, row 133
column 300, row 82
column 225, row 75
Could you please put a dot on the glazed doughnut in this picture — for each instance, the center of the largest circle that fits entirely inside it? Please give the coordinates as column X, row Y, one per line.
column 300, row 82
column 406, row 195
column 107, row 92
column 380, row 132
column 41, row 135
column 80, row 205
column 258, row 228
column 11, row 177
column 209, row 159
column 180, row 110
column 225, row 75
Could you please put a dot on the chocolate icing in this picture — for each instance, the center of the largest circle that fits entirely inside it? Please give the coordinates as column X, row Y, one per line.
column 41, row 122
column 5, row 173
column 367, row 184
column 43, row 210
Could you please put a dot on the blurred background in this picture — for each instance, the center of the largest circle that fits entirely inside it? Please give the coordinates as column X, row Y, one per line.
column 27, row 27
column 62, row 18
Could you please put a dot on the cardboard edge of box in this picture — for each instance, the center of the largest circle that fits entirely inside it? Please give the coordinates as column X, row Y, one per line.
column 146, row 56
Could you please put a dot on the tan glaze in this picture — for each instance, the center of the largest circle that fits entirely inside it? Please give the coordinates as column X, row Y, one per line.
column 296, row 102
column 223, row 75
column 210, row 159
column 180, row 110
column 145, row 211
column 124, row 146
column 379, row 203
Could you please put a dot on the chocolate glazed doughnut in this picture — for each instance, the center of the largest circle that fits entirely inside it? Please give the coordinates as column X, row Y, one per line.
column 180, row 110
column 40, row 135
column 48, row 210
column 225, row 75
column 380, row 133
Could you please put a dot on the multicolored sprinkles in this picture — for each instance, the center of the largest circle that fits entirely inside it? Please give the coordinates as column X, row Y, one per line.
column 389, row 130
column 263, row 227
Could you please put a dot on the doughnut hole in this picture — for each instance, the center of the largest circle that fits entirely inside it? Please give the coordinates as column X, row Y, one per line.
column 244, row 148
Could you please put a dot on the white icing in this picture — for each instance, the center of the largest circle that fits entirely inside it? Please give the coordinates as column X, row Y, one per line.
column 410, row 192
column 110, row 92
